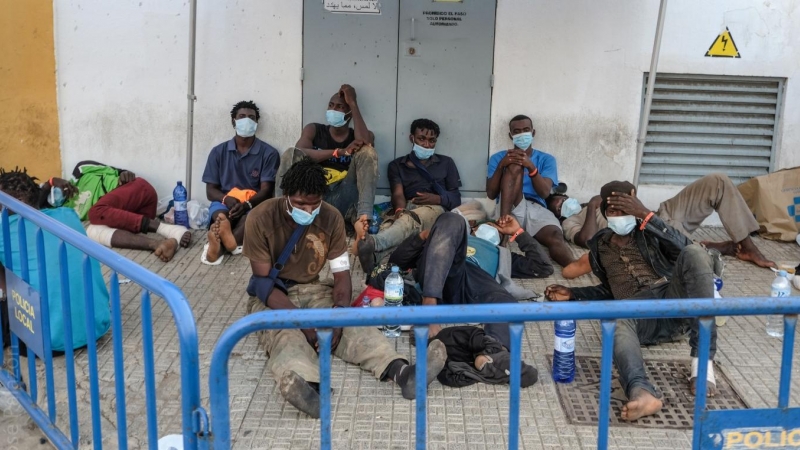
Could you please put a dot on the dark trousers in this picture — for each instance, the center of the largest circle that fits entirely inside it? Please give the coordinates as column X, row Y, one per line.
column 693, row 277
column 124, row 207
column 444, row 273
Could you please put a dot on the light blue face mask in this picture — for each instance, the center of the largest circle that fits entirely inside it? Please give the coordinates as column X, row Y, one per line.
column 301, row 217
column 523, row 140
column 246, row 127
column 422, row 152
column 622, row 225
column 570, row 207
column 56, row 197
column 335, row 118
column 488, row 233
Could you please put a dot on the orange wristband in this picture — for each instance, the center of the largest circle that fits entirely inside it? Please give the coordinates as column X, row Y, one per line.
column 534, row 173
column 646, row 219
column 51, row 181
column 336, row 153
column 515, row 235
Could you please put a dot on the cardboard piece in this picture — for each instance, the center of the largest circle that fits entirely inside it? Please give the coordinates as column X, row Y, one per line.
column 774, row 199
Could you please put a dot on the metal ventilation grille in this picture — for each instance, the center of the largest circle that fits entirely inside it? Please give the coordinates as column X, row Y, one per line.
column 701, row 124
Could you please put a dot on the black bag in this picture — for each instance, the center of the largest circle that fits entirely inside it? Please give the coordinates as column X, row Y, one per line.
column 438, row 188
column 277, row 267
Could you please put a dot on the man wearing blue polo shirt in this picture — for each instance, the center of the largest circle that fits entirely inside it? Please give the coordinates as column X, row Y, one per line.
column 523, row 177
column 240, row 174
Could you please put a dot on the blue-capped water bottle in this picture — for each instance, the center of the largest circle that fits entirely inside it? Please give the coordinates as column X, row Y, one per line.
column 780, row 288
column 179, row 197
column 393, row 296
column 564, row 351
column 375, row 223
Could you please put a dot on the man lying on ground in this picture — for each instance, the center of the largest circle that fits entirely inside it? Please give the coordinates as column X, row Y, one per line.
column 455, row 268
column 239, row 174
column 640, row 256
column 23, row 187
column 120, row 206
column 293, row 358
column 684, row 212
column 424, row 185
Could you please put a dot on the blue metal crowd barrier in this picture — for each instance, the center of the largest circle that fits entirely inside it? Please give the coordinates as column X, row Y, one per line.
column 193, row 416
column 516, row 314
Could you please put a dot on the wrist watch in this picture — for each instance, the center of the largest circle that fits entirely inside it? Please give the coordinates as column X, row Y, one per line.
column 249, row 205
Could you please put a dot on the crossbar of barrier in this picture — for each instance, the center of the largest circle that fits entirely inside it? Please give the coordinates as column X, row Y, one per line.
column 515, row 314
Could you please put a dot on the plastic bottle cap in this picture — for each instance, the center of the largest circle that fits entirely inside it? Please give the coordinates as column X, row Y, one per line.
column 180, row 183
column 782, row 273
column 396, row 269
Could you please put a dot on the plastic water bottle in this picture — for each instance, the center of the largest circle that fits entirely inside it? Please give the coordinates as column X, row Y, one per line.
column 720, row 320
column 179, row 197
column 780, row 288
column 393, row 296
column 375, row 223
column 564, row 352
column 365, row 302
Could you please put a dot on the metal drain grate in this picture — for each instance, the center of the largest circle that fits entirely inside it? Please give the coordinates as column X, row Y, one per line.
column 579, row 399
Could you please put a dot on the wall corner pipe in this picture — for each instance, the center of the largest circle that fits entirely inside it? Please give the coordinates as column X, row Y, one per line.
column 648, row 98
column 191, row 98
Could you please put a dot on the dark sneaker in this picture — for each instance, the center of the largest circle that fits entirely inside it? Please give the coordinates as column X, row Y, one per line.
column 300, row 394
column 437, row 355
column 366, row 254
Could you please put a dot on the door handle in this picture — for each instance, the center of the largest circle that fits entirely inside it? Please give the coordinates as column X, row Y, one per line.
column 413, row 29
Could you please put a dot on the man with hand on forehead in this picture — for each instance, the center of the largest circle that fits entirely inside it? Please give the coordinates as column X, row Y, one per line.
column 640, row 256
column 346, row 153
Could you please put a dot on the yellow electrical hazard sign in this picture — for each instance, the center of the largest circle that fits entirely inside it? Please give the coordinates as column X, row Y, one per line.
column 723, row 46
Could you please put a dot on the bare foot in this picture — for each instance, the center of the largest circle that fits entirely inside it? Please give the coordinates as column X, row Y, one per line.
column 711, row 388
column 166, row 249
column 186, row 239
column 577, row 268
column 214, row 245
column 642, row 404
column 746, row 250
column 727, row 248
column 225, row 233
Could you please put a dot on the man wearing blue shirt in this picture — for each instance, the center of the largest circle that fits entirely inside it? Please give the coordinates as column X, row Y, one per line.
column 523, row 177
column 240, row 174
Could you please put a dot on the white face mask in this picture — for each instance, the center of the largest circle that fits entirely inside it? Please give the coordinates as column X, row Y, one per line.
column 488, row 233
column 622, row 225
column 246, row 127
column 570, row 207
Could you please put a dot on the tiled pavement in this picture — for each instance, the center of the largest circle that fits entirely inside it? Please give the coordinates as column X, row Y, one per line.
column 372, row 415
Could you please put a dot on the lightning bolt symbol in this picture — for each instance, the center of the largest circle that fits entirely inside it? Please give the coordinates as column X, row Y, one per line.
column 724, row 43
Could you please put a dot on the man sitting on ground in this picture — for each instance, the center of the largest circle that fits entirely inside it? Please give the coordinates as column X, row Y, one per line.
column 424, row 185
column 640, row 256
column 684, row 212
column 293, row 357
column 455, row 268
column 120, row 206
column 347, row 154
column 239, row 174
column 523, row 177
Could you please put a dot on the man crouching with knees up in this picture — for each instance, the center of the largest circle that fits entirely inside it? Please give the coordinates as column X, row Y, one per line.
column 639, row 256
column 314, row 232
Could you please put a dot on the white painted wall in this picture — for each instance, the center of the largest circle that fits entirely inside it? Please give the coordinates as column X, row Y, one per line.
column 122, row 80
column 575, row 67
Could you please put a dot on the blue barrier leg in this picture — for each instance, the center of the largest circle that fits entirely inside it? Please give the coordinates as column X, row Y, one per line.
column 69, row 353
column 149, row 371
column 516, row 373
column 91, row 350
column 5, row 229
column 324, row 337
column 608, row 328
column 421, row 337
column 702, row 372
column 33, row 388
column 789, row 326
column 46, row 338
column 119, row 362
column 15, row 358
